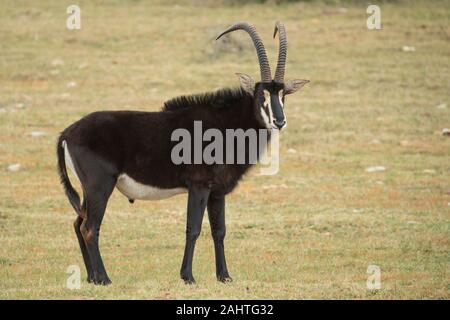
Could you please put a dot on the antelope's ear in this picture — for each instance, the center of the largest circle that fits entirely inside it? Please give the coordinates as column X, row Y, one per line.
column 247, row 83
column 293, row 85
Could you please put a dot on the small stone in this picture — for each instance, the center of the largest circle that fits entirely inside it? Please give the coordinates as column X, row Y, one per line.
column 379, row 182
column 57, row 62
column 19, row 105
column 446, row 132
column 83, row 65
column 405, row 143
column 14, row 167
column 442, row 106
column 408, row 49
column 358, row 210
column 71, row 84
column 290, row 150
column 375, row 169
column 430, row 171
column 375, row 141
column 37, row 134
column 2, row 110
column 342, row 10
column 275, row 186
column 65, row 95
column 412, row 222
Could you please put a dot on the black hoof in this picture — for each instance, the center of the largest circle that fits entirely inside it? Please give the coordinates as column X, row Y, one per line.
column 102, row 282
column 90, row 279
column 188, row 280
column 225, row 279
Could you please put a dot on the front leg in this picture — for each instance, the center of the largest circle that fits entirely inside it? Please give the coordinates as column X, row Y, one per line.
column 216, row 214
column 197, row 200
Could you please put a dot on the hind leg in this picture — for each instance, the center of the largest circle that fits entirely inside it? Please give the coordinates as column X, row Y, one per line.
column 96, row 201
column 98, row 178
column 84, row 252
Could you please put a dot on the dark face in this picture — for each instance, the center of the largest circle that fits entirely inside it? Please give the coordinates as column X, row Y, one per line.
column 271, row 102
column 269, row 97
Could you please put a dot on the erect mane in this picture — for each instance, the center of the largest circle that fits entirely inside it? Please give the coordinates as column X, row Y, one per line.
column 217, row 99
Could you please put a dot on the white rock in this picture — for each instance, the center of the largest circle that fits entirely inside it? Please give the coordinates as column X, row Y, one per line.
column 275, row 186
column 408, row 49
column 71, row 84
column 430, row 171
column 14, row 167
column 83, row 65
column 2, row 110
column 446, row 132
column 358, row 210
column 57, row 62
column 442, row 106
column 37, row 134
column 405, row 143
column 290, row 150
column 375, row 141
column 412, row 222
column 19, row 105
column 376, row 169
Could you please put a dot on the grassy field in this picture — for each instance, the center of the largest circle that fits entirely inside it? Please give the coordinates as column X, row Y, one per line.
column 309, row 232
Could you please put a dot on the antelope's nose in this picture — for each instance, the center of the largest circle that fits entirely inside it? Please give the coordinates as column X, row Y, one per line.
column 279, row 124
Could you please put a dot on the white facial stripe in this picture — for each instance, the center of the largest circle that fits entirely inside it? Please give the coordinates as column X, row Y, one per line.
column 280, row 97
column 266, row 98
column 268, row 105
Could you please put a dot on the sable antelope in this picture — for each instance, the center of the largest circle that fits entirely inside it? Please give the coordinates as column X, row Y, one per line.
column 131, row 150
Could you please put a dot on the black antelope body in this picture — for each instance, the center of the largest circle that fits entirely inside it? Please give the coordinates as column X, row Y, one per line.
column 131, row 150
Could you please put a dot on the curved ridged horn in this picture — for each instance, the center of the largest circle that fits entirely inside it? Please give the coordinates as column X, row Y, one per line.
column 281, row 64
column 261, row 52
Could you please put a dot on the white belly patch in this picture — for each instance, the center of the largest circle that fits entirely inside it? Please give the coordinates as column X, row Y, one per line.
column 135, row 190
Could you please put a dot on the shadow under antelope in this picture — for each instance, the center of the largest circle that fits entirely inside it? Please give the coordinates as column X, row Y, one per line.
column 131, row 150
